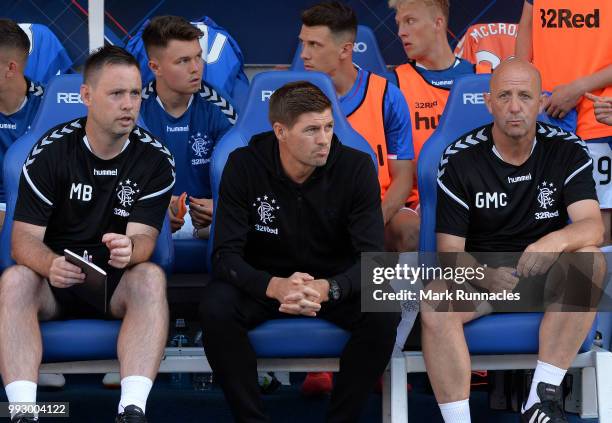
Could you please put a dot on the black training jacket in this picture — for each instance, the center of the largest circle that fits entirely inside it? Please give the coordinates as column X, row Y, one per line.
column 267, row 225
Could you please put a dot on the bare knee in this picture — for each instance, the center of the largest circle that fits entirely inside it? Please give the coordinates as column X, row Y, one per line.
column 146, row 281
column 409, row 239
column 19, row 286
column 592, row 260
column 435, row 322
column 402, row 232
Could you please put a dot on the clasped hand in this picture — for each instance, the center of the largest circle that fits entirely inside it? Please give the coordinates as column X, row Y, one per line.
column 299, row 294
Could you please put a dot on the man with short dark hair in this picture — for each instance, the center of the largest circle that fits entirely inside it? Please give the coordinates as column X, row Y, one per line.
column 373, row 107
column 98, row 186
column 187, row 113
column 542, row 178
column 296, row 209
column 19, row 97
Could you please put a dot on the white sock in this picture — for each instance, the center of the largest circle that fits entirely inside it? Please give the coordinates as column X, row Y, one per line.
column 456, row 412
column 546, row 373
column 134, row 391
column 20, row 391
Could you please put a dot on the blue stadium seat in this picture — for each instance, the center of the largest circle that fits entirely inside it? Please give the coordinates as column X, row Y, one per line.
column 295, row 337
column 465, row 110
column 48, row 57
column 366, row 53
column 298, row 338
column 98, row 339
column 65, row 340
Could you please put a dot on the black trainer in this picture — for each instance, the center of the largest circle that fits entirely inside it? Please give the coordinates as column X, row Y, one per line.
column 22, row 418
column 549, row 409
column 131, row 414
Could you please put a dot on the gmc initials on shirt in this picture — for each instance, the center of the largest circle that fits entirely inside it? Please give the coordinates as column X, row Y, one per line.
column 488, row 200
column 559, row 18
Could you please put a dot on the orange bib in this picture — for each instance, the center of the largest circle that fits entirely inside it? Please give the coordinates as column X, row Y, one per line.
column 426, row 104
column 573, row 39
column 368, row 120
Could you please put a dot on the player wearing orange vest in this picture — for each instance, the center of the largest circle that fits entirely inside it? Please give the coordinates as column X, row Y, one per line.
column 375, row 109
column 583, row 28
column 427, row 78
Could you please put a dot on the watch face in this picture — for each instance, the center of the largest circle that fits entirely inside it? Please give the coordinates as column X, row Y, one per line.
column 334, row 290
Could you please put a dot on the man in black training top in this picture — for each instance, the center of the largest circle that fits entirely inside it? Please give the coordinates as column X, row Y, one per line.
column 99, row 186
column 296, row 209
column 512, row 186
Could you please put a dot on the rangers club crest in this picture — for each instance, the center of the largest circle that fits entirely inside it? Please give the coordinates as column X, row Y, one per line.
column 266, row 208
column 126, row 191
column 200, row 144
column 545, row 197
column 545, row 192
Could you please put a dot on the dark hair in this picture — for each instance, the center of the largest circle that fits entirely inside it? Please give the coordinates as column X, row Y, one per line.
column 294, row 99
column 107, row 55
column 13, row 37
column 163, row 29
column 337, row 16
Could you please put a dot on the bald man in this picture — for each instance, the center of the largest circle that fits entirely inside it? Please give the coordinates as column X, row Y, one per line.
column 513, row 189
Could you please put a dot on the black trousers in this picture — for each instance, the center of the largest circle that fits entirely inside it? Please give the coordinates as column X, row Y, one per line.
column 227, row 314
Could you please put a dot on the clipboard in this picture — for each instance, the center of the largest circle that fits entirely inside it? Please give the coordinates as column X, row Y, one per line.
column 93, row 289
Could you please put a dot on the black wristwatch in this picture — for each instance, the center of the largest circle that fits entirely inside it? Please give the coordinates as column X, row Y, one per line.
column 335, row 292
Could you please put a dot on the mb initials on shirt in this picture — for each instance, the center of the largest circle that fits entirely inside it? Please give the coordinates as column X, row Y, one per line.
column 81, row 192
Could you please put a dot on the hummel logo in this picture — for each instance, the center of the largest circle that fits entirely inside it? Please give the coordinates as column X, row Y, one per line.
column 105, row 172
column 514, row 180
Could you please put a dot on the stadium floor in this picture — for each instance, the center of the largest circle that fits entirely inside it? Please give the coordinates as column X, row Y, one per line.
column 90, row 402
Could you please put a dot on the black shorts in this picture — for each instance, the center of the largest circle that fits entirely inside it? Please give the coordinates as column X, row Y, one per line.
column 73, row 305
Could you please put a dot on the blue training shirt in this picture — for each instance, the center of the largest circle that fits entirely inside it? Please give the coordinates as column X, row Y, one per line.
column 396, row 119
column 15, row 125
column 190, row 137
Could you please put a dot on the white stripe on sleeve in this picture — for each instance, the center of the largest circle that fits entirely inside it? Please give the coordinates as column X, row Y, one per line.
column 36, row 191
column 451, row 195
